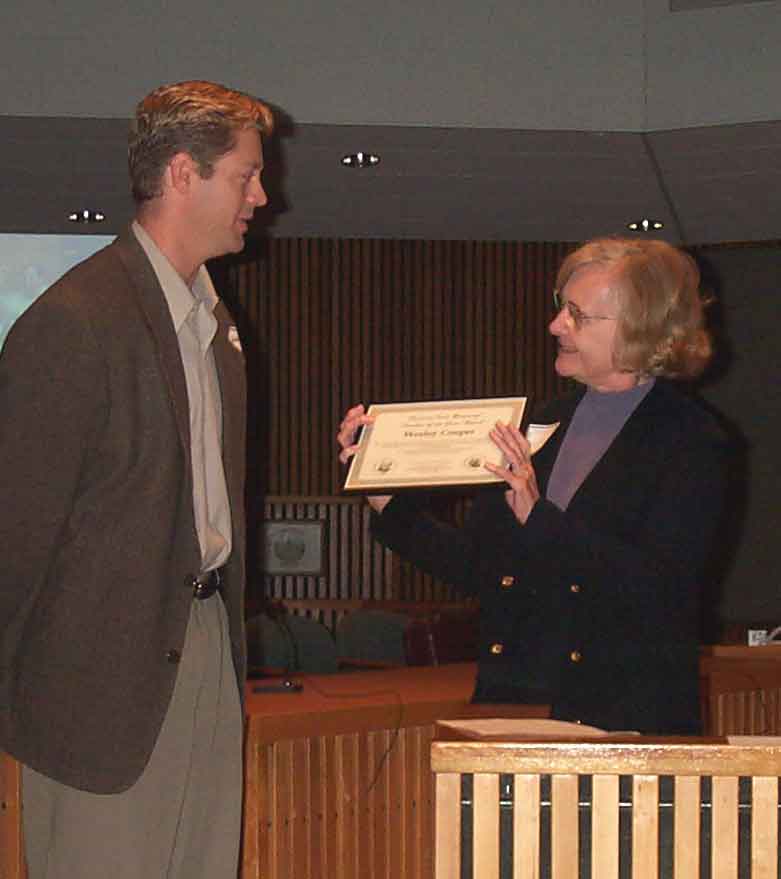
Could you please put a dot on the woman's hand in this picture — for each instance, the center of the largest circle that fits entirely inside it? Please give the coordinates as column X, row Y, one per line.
column 348, row 429
column 518, row 472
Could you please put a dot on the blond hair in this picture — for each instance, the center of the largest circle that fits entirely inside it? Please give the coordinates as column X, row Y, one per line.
column 198, row 118
column 660, row 321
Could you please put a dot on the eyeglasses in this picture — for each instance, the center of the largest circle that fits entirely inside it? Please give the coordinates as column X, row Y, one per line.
column 574, row 313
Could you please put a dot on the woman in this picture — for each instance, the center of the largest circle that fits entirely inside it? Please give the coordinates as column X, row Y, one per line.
column 587, row 559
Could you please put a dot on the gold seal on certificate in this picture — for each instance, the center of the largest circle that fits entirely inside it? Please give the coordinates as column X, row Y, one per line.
column 432, row 444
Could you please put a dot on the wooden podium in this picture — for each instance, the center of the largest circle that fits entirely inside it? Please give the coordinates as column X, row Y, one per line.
column 636, row 807
column 741, row 689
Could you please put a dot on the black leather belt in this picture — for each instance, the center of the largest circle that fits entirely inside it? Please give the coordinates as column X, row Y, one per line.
column 205, row 585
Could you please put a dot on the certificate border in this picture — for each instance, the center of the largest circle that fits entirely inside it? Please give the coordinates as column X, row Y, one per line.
column 357, row 483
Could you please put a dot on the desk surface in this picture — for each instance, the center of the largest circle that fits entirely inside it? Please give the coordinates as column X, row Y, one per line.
column 366, row 700
column 766, row 652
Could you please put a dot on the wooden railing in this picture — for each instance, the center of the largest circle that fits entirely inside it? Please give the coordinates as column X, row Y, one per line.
column 557, row 808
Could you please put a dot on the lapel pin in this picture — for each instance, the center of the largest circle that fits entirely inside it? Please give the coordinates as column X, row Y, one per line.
column 233, row 338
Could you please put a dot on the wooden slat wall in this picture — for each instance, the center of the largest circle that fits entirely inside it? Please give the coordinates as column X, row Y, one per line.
column 329, row 323
column 355, row 566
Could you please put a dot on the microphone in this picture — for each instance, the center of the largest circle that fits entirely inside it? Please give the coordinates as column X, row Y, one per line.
column 277, row 613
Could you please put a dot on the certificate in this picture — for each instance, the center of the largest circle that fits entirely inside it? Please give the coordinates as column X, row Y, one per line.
column 425, row 445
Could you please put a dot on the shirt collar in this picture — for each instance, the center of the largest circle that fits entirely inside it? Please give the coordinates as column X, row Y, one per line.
column 181, row 299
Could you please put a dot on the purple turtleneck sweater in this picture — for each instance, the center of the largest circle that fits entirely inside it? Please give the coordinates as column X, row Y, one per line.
column 596, row 422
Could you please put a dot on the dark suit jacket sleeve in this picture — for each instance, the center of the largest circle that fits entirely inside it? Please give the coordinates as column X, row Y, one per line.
column 442, row 550
column 640, row 525
column 53, row 400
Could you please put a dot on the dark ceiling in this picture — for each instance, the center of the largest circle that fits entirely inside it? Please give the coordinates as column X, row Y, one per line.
column 706, row 185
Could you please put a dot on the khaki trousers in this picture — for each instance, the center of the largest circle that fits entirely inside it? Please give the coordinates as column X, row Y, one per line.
column 182, row 818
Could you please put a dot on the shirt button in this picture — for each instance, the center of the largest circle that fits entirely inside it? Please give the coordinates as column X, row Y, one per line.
column 173, row 656
column 497, row 649
column 574, row 588
column 507, row 582
column 575, row 656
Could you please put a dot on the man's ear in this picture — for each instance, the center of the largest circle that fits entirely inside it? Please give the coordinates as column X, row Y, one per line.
column 181, row 171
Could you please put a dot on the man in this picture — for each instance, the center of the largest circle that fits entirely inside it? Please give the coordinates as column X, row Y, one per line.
column 122, row 390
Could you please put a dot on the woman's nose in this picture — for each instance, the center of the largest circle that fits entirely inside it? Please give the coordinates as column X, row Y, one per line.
column 559, row 323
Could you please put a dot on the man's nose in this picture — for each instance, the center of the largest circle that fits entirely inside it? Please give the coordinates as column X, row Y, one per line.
column 257, row 194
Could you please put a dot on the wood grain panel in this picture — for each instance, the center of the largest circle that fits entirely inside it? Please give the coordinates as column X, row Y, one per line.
column 337, row 806
column 645, row 762
column 564, row 826
column 764, row 828
column 11, row 848
column 687, row 827
column 604, row 827
column 448, row 826
column 741, row 689
column 645, row 827
column 485, row 857
column 724, row 832
column 526, row 826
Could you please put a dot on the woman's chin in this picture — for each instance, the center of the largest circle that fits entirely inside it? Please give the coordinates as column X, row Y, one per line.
column 564, row 365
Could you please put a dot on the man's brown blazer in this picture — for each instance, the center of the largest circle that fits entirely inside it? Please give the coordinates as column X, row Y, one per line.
column 96, row 526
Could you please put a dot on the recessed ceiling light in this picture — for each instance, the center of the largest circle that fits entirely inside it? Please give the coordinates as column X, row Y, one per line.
column 360, row 160
column 86, row 216
column 644, row 225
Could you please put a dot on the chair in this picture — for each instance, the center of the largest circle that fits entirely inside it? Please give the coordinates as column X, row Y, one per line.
column 290, row 643
column 442, row 637
column 637, row 807
column 372, row 636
